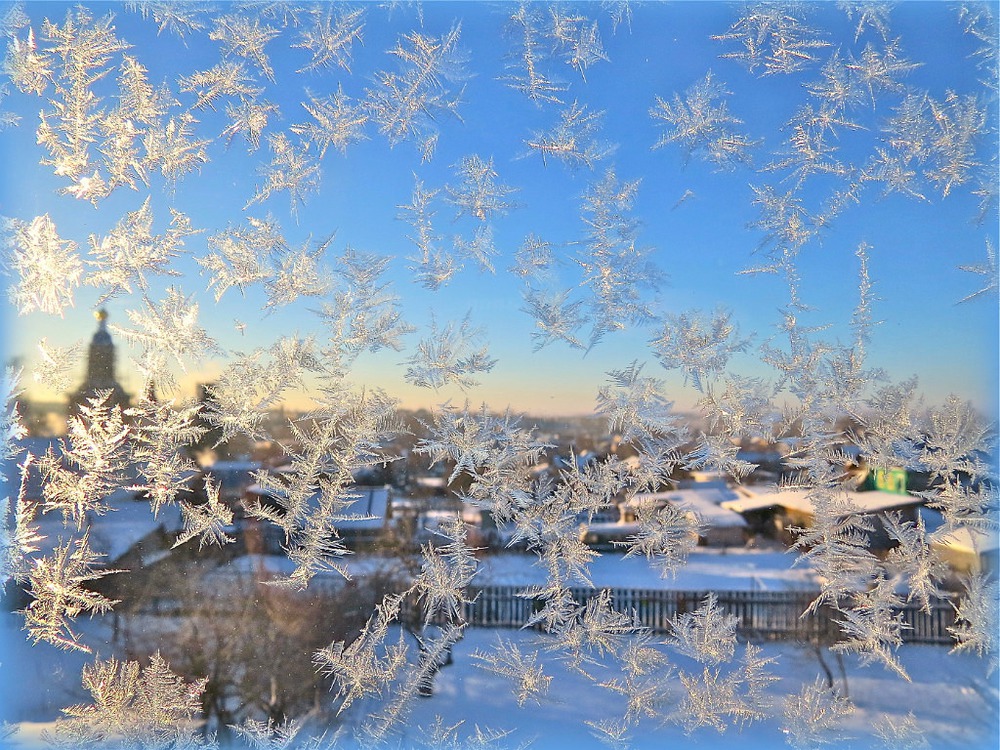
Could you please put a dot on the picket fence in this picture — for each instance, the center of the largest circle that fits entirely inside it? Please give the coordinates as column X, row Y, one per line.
column 761, row 615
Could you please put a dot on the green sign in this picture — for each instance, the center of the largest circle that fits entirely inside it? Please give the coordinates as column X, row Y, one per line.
column 891, row 480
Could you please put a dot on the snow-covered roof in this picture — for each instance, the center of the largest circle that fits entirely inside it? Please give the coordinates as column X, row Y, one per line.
column 263, row 567
column 971, row 540
column 731, row 569
column 800, row 500
column 709, row 477
column 367, row 501
column 617, row 529
column 432, row 482
column 115, row 532
column 232, row 466
column 707, row 503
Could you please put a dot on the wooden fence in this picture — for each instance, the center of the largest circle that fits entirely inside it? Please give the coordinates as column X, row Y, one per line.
column 761, row 615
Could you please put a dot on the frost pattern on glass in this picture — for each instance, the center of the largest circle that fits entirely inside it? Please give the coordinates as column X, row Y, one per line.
column 118, row 141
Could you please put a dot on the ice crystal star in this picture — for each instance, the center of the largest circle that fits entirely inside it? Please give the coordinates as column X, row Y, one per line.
column 702, row 125
column 243, row 37
column 130, row 251
column 291, row 169
column 406, row 104
column 336, row 122
column 168, row 330
column 209, row 520
column 57, row 586
column 449, row 356
column 529, row 679
column 573, row 141
column 478, row 194
column 48, row 266
column 330, row 38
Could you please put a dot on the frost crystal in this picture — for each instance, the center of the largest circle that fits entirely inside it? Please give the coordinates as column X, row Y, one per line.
column 976, row 615
column 449, row 356
column 227, row 79
column 28, row 69
column 445, row 574
column 527, row 65
column 131, row 250
column 249, row 118
column 81, row 49
column 478, row 194
column 90, row 464
column 291, row 169
column 364, row 315
column 855, row 134
column 433, row 267
column 707, row 634
column 507, row 660
column 701, row 123
column 56, row 584
column 813, row 717
column 133, row 706
column 331, row 37
column 207, row 521
column 615, row 268
column 577, row 38
column 160, row 433
column 336, row 122
column 700, row 348
column 243, row 255
column 556, row 318
column 168, row 328
column 492, row 451
column 573, row 140
column 48, row 266
column 298, row 275
column 406, row 104
column 245, row 38
column 774, row 38
column 666, row 535
column 988, row 270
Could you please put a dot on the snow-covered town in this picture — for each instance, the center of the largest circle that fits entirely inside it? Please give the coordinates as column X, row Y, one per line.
column 741, row 553
column 405, row 375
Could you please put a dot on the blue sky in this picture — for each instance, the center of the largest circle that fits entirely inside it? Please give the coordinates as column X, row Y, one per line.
column 701, row 244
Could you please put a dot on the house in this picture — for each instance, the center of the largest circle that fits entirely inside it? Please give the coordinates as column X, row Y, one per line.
column 774, row 512
column 129, row 535
column 373, row 510
column 608, row 536
column 232, row 477
column 363, row 523
column 126, row 536
column 969, row 551
column 719, row 526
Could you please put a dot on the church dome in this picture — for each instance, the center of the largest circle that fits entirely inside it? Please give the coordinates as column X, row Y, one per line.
column 101, row 337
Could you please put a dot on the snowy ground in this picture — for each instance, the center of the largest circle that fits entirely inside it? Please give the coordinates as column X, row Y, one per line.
column 954, row 701
column 724, row 569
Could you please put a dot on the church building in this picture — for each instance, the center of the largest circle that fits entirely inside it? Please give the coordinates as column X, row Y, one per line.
column 100, row 370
